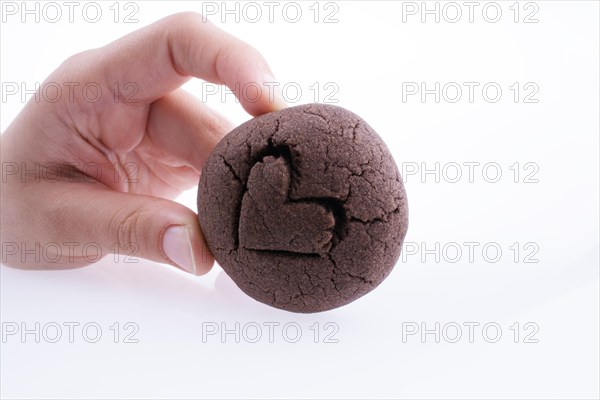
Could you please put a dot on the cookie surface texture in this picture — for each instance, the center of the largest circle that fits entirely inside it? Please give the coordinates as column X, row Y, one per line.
column 304, row 208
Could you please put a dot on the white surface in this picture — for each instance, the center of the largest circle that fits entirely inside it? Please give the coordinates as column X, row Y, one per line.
column 369, row 53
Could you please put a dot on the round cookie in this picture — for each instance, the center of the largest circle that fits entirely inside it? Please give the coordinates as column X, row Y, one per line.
column 304, row 208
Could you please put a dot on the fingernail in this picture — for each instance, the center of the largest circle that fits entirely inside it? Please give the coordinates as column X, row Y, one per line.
column 177, row 245
column 274, row 92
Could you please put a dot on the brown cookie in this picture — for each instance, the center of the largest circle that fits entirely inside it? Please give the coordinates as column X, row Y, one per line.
column 304, row 208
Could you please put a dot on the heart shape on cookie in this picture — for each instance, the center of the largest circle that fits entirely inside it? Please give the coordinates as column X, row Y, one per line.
column 270, row 221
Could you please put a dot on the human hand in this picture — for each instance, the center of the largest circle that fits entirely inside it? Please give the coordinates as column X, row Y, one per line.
column 78, row 172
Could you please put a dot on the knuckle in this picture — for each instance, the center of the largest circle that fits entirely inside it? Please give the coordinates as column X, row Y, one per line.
column 125, row 226
column 74, row 62
column 186, row 18
column 218, row 125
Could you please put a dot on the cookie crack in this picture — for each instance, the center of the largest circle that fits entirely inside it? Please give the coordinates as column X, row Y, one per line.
column 308, row 111
column 376, row 219
column 337, row 271
column 231, row 169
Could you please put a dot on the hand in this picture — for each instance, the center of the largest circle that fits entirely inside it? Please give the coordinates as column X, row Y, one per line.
column 82, row 176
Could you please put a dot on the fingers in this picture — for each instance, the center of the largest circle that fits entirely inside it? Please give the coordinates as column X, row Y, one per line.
column 87, row 217
column 183, row 127
column 162, row 125
column 162, row 56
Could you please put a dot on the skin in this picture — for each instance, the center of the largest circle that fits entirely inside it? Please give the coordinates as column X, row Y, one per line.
column 164, row 135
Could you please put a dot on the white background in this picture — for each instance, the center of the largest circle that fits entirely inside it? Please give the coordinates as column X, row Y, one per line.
column 370, row 54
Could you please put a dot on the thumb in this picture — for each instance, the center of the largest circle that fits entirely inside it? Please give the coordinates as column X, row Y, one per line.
column 131, row 224
column 156, row 229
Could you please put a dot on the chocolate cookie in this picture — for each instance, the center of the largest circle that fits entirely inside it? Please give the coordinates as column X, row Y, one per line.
column 304, row 208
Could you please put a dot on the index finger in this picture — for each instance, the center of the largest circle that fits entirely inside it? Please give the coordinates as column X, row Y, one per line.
column 162, row 56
